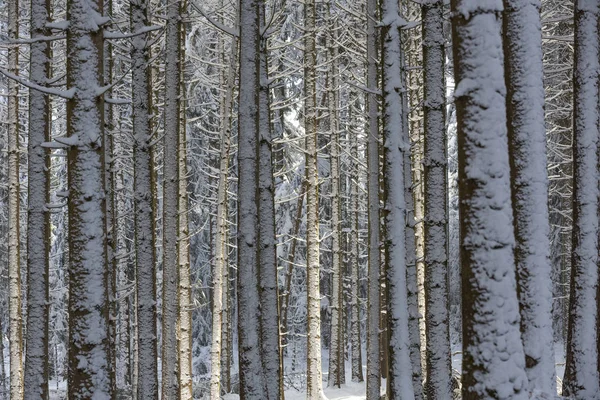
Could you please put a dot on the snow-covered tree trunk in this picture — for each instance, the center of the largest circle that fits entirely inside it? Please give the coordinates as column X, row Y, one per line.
column 529, row 180
column 269, row 296
column 438, row 353
column 410, row 242
column 144, row 205
column 252, row 380
column 314, row 384
column 374, row 270
column 353, row 264
column 89, row 375
column 14, row 265
column 581, row 370
column 336, row 348
column 172, row 127
column 38, row 217
column 493, row 358
column 396, row 147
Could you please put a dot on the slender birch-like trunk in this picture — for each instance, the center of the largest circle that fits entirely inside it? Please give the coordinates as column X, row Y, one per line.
column 252, row 379
column 145, row 210
column 336, row 348
column 529, row 179
column 438, row 352
column 14, row 265
column 269, row 296
column 581, row 371
column 493, row 358
column 396, row 147
column 172, row 137
column 89, row 374
column 184, row 324
column 374, row 270
column 38, row 217
column 220, row 271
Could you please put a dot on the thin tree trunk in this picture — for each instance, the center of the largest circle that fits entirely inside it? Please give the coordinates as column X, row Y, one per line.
column 252, row 380
column 373, row 291
column 89, row 374
column 38, row 218
column 172, row 138
column 38, row 243
column 14, row 264
column 581, row 371
column 183, row 244
column 396, row 147
column 145, row 207
column 438, row 351
column 336, row 348
column 353, row 261
column 269, row 296
column 221, row 268
column 493, row 358
column 529, row 179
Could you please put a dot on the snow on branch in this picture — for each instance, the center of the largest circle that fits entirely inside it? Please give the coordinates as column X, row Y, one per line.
column 227, row 29
column 8, row 41
column 118, row 35
column 65, row 94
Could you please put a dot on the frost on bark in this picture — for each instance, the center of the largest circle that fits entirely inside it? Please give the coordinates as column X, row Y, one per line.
column 38, row 217
column 172, row 138
column 396, row 147
column 373, row 290
column 145, row 212
column 335, row 376
column 493, row 358
column 314, row 384
column 252, row 380
column 269, row 295
column 529, row 180
column 438, row 352
column 89, row 375
column 14, row 264
column 581, row 370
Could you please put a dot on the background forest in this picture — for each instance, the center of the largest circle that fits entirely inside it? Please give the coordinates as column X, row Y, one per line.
column 221, row 198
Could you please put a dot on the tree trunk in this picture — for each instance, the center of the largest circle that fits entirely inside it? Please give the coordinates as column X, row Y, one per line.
column 493, row 358
column 38, row 218
column 89, row 375
column 353, row 261
column 373, row 308
column 172, row 137
column 14, row 264
column 581, row 371
column 252, row 379
column 314, row 384
column 438, row 352
column 145, row 210
column 396, row 147
column 269, row 295
column 529, row 180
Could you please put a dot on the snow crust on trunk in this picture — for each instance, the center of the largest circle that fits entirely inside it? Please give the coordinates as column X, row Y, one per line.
column 529, row 180
column 89, row 375
column 38, row 217
column 493, row 358
column 581, row 372
column 396, row 148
